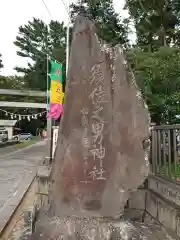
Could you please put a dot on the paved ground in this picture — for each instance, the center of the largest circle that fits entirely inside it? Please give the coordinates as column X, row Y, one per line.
column 15, row 167
column 6, row 149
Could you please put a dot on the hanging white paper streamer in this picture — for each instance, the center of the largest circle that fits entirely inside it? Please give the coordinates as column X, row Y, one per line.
column 12, row 115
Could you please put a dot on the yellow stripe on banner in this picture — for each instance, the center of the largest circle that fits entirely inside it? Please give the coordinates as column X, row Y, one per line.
column 56, row 93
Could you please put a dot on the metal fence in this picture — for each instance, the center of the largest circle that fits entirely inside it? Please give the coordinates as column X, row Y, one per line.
column 165, row 151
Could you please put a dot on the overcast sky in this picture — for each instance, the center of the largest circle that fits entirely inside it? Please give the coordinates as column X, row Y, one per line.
column 14, row 13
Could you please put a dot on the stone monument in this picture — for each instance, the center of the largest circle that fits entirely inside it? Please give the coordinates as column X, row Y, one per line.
column 99, row 156
column 102, row 148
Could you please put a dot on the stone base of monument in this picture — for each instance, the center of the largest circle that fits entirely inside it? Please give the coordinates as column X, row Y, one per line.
column 96, row 229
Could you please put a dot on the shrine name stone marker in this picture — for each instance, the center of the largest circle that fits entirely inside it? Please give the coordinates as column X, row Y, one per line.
column 100, row 156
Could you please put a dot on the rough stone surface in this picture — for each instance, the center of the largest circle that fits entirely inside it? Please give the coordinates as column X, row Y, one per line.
column 102, row 151
column 73, row 228
column 99, row 156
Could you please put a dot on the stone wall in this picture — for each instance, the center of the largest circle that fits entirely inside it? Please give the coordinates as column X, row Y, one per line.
column 157, row 201
column 163, row 203
column 136, row 205
column 170, row 190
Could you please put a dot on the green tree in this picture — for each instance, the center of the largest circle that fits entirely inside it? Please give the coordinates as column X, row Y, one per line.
column 1, row 64
column 12, row 82
column 35, row 40
column 156, row 22
column 155, row 59
column 109, row 26
column 158, row 76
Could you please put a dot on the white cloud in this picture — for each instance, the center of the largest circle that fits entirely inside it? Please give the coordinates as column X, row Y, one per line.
column 16, row 13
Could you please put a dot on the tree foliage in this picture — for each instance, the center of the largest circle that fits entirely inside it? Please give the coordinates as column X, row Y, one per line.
column 35, row 40
column 158, row 75
column 154, row 58
column 156, row 22
column 109, row 25
column 15, row 82
column 12, row 82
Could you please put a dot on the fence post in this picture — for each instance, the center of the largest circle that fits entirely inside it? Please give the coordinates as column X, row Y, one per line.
column 154, row 152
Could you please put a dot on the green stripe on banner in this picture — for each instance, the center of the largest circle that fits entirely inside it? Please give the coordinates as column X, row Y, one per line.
column 56, row 71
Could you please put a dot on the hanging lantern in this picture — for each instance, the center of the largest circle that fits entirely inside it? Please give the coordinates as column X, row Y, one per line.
column 6, row 113
column 19, row 117
column 11, row 116
column 28, row 117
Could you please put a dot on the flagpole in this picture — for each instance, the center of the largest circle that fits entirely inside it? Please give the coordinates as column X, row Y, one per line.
column 48, row 157
column 47, row 85
column 67, row 38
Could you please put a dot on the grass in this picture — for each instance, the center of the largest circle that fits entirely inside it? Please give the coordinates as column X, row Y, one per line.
column 171, row 171
column 25, row 143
